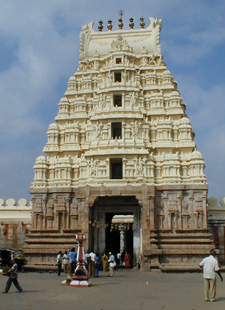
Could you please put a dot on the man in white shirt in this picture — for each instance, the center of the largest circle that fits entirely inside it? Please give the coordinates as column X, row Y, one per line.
column 210, row 268
column 91, row 265
column 112, row 264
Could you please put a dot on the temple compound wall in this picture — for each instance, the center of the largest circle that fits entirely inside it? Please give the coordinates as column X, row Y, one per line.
column 121, row 145
column 15, row 222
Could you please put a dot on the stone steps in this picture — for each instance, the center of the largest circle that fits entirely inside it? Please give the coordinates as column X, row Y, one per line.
column 182, row 241
column 181, row 235
column 51, row 240
column 42, row 247
column 180, row 268
column 40, row 267
column 51, row 235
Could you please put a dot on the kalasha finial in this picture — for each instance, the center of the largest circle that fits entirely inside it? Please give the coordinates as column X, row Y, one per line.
column 131, row 23
column 109, row 26
column 100, row 26
column 120, row 20
column 142, row 22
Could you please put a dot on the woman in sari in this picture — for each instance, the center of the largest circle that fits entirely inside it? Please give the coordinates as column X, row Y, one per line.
column 105, row 264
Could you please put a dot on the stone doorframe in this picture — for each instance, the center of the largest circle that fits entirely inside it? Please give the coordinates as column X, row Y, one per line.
column 145, row 196
column 98, row 215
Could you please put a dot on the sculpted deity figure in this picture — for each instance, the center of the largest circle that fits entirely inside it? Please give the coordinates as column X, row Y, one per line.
column 110, row 78
column 144, row 61
column 124, row 76
column 98, row 131
column 134, row 99
column 92, row 166
column 135, row 129
column 140, row 166
column 96, row 64
column 152, row 60
column 126, row 60
column 102, row 101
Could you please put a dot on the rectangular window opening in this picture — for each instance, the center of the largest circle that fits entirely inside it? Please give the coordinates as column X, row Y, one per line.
column 117, row 100
column 116, row 171
column 116, row 130
column 118, row 61
column 117, row 77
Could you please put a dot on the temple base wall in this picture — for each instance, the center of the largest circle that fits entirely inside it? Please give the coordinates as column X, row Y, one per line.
column 172, row 230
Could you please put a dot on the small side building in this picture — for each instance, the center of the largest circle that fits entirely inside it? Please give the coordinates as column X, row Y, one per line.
column 216, row 224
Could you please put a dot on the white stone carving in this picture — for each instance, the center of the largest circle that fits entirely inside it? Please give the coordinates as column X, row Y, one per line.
column 154, row 137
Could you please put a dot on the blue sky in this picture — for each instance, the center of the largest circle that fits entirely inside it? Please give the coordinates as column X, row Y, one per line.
column 39, row 48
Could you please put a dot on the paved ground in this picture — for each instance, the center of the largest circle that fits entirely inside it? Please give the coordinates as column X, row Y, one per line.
column 127, row 290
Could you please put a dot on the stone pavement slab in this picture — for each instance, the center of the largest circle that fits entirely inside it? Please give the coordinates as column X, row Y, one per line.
column 127, row 290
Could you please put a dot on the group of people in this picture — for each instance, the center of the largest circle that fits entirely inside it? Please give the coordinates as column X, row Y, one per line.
column 93, row 263
column 209, row 265
column 67, row 260
column 92, row 260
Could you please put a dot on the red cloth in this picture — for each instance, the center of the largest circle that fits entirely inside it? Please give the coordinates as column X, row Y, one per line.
column 127, row 260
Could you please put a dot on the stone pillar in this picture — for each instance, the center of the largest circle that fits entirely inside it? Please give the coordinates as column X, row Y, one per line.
column 179, row 219
column 67, row 215
column 102, row 233
column 44, row 213
column 151, row 202
column 191, row 210
column 122, row 244
column 204, row 199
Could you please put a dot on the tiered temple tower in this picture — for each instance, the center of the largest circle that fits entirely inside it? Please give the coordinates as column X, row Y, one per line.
column 121, row 145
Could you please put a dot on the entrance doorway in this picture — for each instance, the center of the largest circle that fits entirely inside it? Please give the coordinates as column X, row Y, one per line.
column 119, row 235
column 115, row 226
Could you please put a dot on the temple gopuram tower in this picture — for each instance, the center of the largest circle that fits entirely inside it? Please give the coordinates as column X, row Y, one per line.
column 121, row 162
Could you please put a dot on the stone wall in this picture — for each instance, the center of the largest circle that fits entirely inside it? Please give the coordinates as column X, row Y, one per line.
column 16, row 219
column 216, row 224
column 15, row 222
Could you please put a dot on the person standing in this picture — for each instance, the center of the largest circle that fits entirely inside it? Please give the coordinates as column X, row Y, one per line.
column 97, row 263
column 112, row 264
column 91, row 266
column 59, row 262
column 13, row 278
column 127, row 260
column 66, row 262
column 105, row 262
column 210, row 268
column 118, row 258
column 72, row 256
